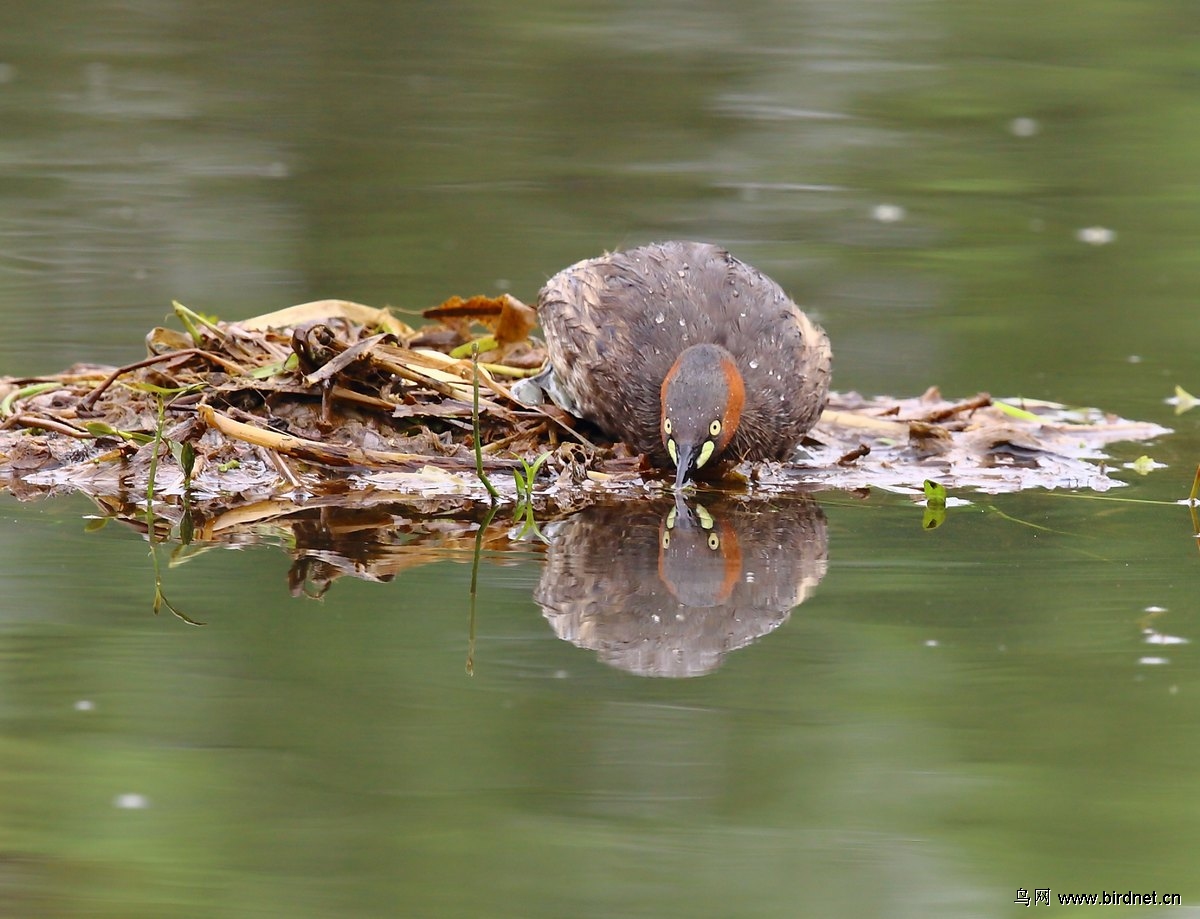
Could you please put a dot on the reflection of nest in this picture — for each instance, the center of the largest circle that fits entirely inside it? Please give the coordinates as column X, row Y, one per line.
column 370, row 537
column 675, row 606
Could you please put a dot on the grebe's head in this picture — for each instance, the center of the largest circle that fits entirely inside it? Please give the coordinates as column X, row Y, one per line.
column 702, row 399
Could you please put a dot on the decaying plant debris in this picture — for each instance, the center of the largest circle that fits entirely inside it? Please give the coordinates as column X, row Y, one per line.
column 333, row 400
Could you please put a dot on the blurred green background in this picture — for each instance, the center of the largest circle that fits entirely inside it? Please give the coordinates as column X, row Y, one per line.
column 996, row 197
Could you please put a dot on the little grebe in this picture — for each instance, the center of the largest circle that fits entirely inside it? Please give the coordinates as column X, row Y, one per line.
column 685, row 353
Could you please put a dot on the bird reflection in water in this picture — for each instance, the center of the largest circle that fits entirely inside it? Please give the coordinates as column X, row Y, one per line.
column 669, row 588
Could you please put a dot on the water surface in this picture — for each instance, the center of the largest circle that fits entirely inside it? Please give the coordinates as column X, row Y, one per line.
column 982, row 198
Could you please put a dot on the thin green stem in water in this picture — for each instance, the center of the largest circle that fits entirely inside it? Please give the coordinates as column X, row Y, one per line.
column 479, row 534
column 487, row 483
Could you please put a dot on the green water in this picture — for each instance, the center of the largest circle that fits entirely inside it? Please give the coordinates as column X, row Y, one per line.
column 993, row 197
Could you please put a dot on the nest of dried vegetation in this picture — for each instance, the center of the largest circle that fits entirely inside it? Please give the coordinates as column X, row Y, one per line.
column 334, row 399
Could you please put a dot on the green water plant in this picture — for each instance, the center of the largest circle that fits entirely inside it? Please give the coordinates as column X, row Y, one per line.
column 1184, row 400
column 479, row 534
column 1014, row 411
column 487, row 483
column 193, row 322
column 524, row 479
column 160, row 597
column 24, row 392
column 935, row 505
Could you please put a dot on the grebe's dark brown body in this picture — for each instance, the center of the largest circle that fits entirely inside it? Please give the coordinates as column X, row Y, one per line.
column 621, row 332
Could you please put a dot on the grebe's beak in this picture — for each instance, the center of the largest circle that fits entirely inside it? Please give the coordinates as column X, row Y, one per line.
column 685, row 463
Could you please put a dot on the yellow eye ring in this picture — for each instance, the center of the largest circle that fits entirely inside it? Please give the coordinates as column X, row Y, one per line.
column 714, row 541
column 666, row 540
column 715, row 428
column 666, row 425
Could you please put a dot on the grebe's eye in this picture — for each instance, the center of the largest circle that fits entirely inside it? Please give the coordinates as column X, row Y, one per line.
column 715, row 428
column 666, row 540
column 714, row 541
column 666, row 425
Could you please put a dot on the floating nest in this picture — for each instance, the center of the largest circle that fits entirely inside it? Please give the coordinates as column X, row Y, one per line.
column 335, row 400
column 362, row 446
